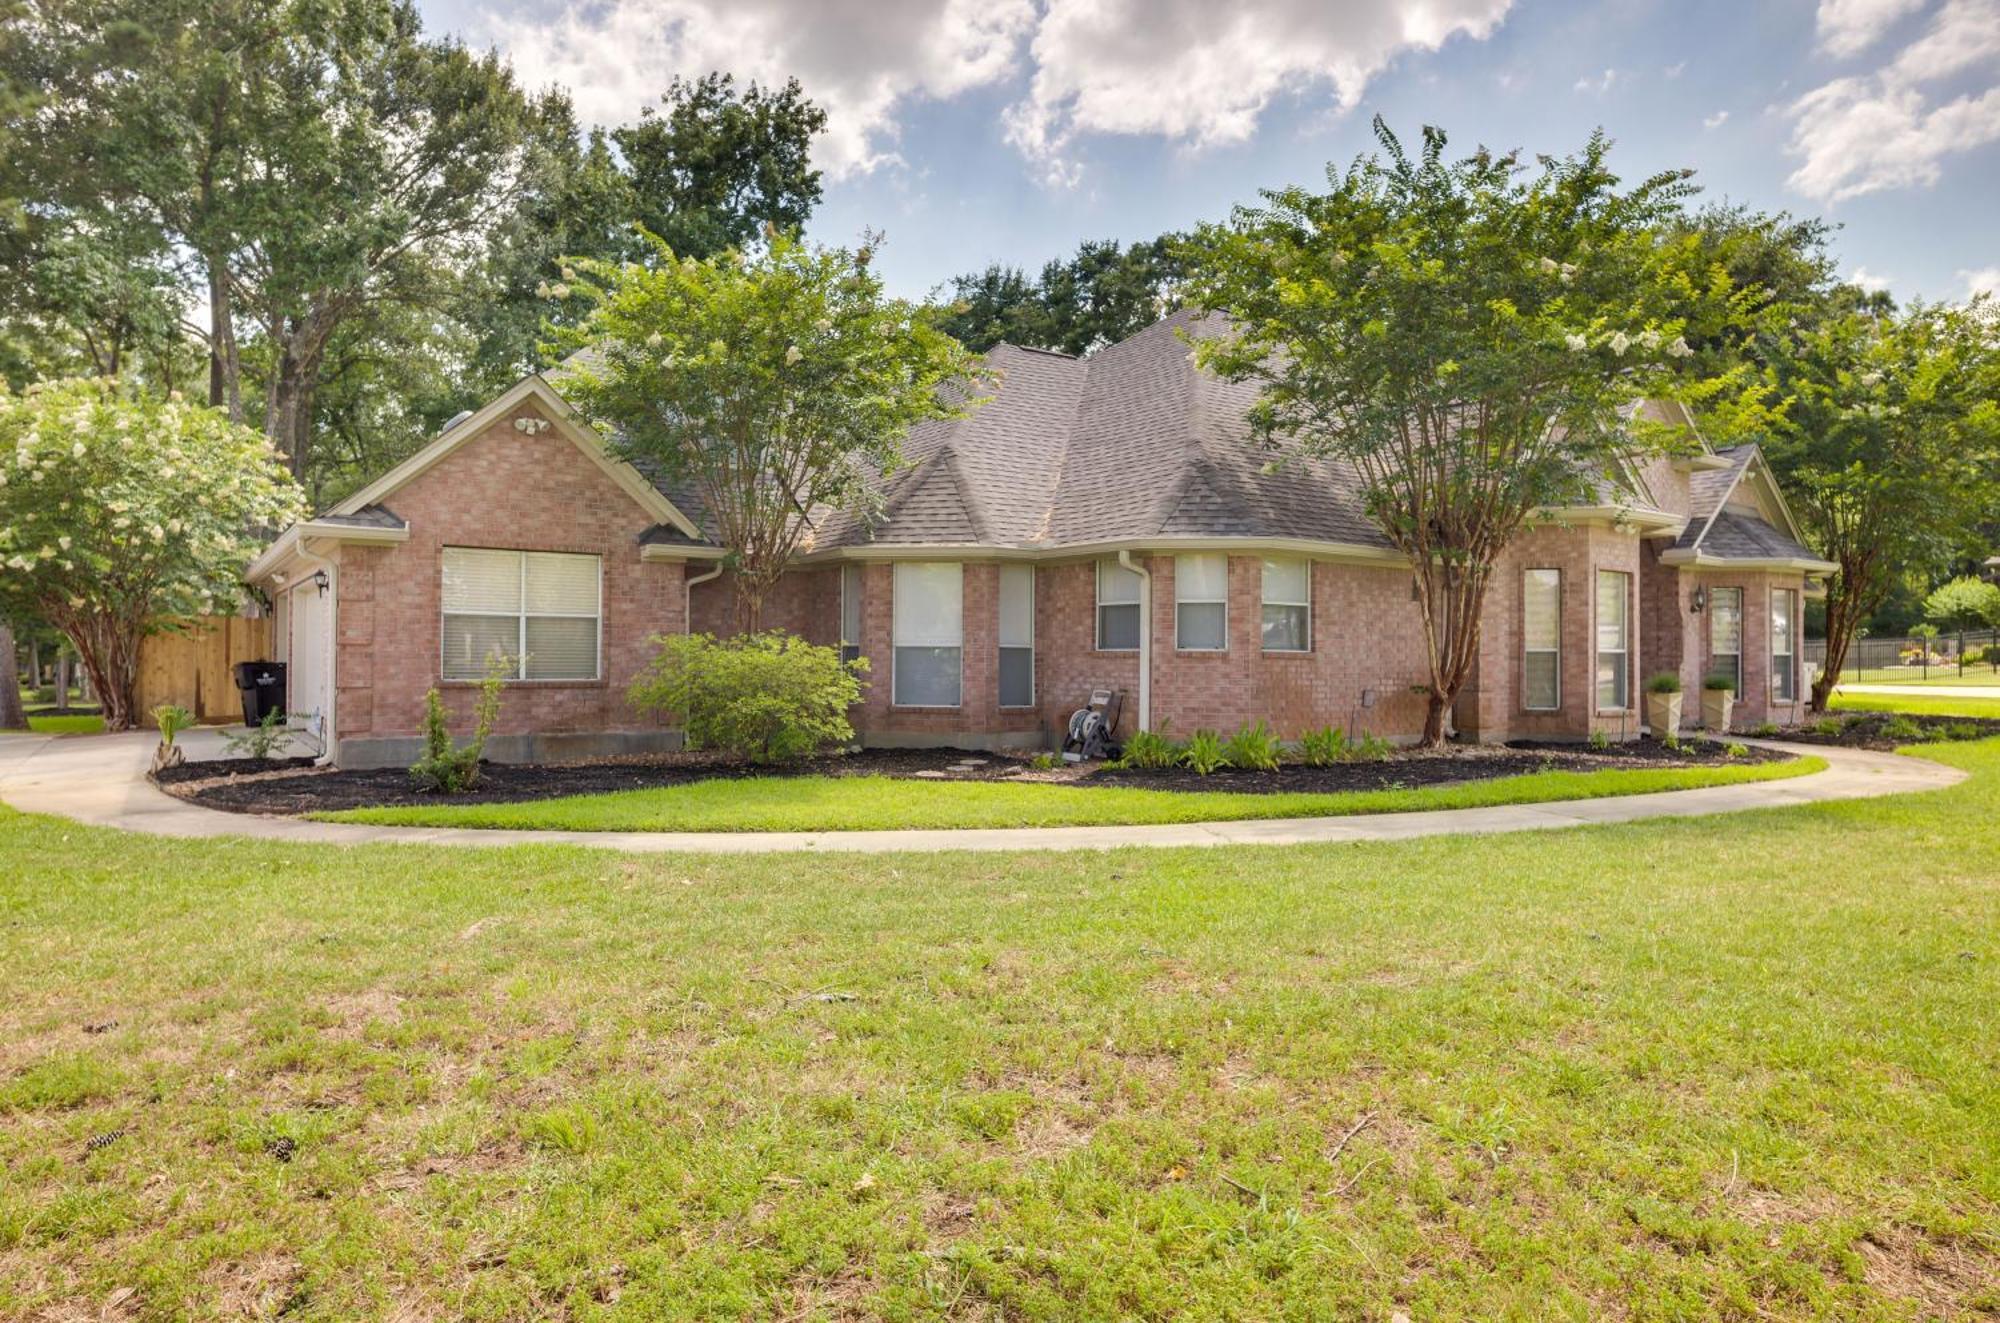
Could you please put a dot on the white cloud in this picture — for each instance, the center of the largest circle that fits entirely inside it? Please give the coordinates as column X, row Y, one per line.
column 1676, row 70
column 1848, row 27
column 1867, row 279
column 1861, row 134
column 1715, row 121
column 1202, row 73
column 1986, row 280
column 1191, row 71
column 1598, row 85
column 863, row 62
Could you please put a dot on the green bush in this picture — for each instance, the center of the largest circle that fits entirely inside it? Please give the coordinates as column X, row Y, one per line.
column 1204, row 753
column 1324, row 747
column 262, row 741
column 1045, row 761
column 1253, row 748
column 768, row 698
column 1719, row 683
column 1965, row 730
column 1902, row 729
column 1150, row 750
column 1370, row 749
column 444, row 769
column 1664, row 682
column 1599, row 741
column 1764, row 729
column 1829, row 726
column 1734, row 750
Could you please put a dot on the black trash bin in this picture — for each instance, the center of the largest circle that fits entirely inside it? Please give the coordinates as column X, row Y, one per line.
column 262, row 684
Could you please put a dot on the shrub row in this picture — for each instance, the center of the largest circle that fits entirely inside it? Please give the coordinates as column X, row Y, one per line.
column 1252, row 749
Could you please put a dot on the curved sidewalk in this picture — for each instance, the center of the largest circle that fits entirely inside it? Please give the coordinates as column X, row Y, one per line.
column 101, row 780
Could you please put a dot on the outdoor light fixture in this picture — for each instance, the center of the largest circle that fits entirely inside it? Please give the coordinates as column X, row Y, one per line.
column 1699, row 602
column 321, row 582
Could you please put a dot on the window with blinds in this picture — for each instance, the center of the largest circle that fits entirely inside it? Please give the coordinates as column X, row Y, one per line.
column 1117, row 607
column 928, row 616
column 1614, row 640
column 1725, row 635
column 1287, row 605
column 1784, row 645
column 539, row 610
column 1017, row 636
column 1541, row 639
column 1201, row 603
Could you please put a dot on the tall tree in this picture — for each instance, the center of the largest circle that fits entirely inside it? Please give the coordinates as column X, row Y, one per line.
column 1098, row 296
column 775, row 383
column 1890, row 441
column 1467, row 336
column 12, row 717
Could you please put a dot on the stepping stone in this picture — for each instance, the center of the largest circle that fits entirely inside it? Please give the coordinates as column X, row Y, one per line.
column 931, row 774
column 972, row 762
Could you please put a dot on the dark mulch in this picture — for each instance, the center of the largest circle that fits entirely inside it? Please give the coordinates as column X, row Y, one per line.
column 1468, row 763
column 1888, row 730
column 281, row 787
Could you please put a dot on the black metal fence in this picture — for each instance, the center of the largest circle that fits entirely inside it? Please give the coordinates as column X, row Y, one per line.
column 1904, row 655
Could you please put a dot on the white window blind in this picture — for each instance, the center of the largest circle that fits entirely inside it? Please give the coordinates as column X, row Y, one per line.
column 1784, row 645
column 1541, row 639
column 929, row 617
column 1614, row 680
column 1117, row 607
column 1725, row 635
column 1201, row 603
column 1287, row 605
column 850, row 612
column 1017, row 636
column 541, row 610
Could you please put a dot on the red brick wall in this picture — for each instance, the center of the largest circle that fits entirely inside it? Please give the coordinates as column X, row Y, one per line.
column 508, row 489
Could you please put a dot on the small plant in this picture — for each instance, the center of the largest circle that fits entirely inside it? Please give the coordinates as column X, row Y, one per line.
column 446, row 770
column 1324, row 747
column 1150, row 751
column 1672, row 741
column 262, row 741
column 1253, row 748
column 1764, row 730
column 1044, row 761
column 1204, row 753
column 1599, row 741
column 1664, row 682
column 1370, row 749
column 1719, row 683
column 1964, row 730
column 1735, row 750
column 172, row 719
column 1902, row 729
column 1828, row 726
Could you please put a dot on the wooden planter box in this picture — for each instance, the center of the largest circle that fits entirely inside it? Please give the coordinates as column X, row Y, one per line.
column 1663, row 713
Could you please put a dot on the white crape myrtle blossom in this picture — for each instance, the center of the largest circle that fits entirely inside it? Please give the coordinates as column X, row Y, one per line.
column 1576, row 343
column 1619, row 342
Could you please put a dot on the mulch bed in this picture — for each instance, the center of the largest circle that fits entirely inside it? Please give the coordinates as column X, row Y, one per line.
column 287, row 786
column 1889, row 730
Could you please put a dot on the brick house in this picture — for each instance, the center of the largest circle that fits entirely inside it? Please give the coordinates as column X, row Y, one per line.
column 1101, row 523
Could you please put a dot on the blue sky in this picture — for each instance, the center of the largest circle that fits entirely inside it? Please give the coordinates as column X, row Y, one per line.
column 973, row 131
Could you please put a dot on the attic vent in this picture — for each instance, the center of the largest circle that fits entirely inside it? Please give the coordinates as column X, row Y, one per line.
column 454, row 421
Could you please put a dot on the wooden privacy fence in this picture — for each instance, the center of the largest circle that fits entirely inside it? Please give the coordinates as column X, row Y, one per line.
column 195, row 666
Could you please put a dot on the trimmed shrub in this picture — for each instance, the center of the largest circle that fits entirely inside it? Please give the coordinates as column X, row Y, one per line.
column 1205, row 753
column 1253, row 749
column 1718, row 683
column 446, row 770
column 767, row 698
column 1663, row 682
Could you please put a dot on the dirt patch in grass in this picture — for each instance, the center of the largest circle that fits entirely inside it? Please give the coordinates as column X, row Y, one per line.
column 1948, row 1278
column 291, row 786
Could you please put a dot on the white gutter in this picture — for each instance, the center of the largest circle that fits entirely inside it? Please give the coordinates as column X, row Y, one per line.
column 687, row 597
column 1145, row 638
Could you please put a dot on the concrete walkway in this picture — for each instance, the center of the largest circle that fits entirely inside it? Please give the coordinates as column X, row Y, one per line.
column 1914, row 690
column 100, row 779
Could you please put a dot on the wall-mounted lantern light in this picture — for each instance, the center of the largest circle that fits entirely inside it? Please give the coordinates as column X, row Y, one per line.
column 1699, row 602
column 322, row 582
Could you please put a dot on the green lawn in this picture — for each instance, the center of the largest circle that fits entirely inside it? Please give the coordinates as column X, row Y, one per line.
column 1918, row 704
column 1980, row 674
column 1718, row 1068
column 861, row 803
column 53, row 724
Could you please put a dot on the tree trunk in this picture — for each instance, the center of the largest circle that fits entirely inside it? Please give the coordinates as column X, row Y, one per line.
column 109, row 649
column 11, row 715
column 225, row 367
column 62, row 681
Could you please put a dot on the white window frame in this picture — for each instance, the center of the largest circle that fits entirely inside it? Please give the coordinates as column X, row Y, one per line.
column 850, row 594
column 896, row 646
column 1714, row 613
column 1527, row 704
column 522, row 616
column 1790, row 691
column 1138, row 605
column 1001, row 647
column 1266, row 600
column 1599, row 651
column 1180, row 601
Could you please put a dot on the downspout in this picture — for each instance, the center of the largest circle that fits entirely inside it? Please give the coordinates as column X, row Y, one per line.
column 687, row 594
column 1145, row 639
column 328, row 744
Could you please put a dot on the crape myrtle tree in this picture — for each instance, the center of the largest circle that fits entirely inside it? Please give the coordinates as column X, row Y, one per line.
column 122, row 512
column 1466, row 335
column 775, row 382
column 1889, row 436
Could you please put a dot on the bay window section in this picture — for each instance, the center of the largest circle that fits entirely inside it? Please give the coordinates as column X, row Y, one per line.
column 1614, row 640
column 1784, row 645
column 1017, row 636
column 1201, row 603
column 1541, row 639
column 1725, row 635
column 929, row 625
column 540, row 611
column 1117, row 607
column 1287, row 605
